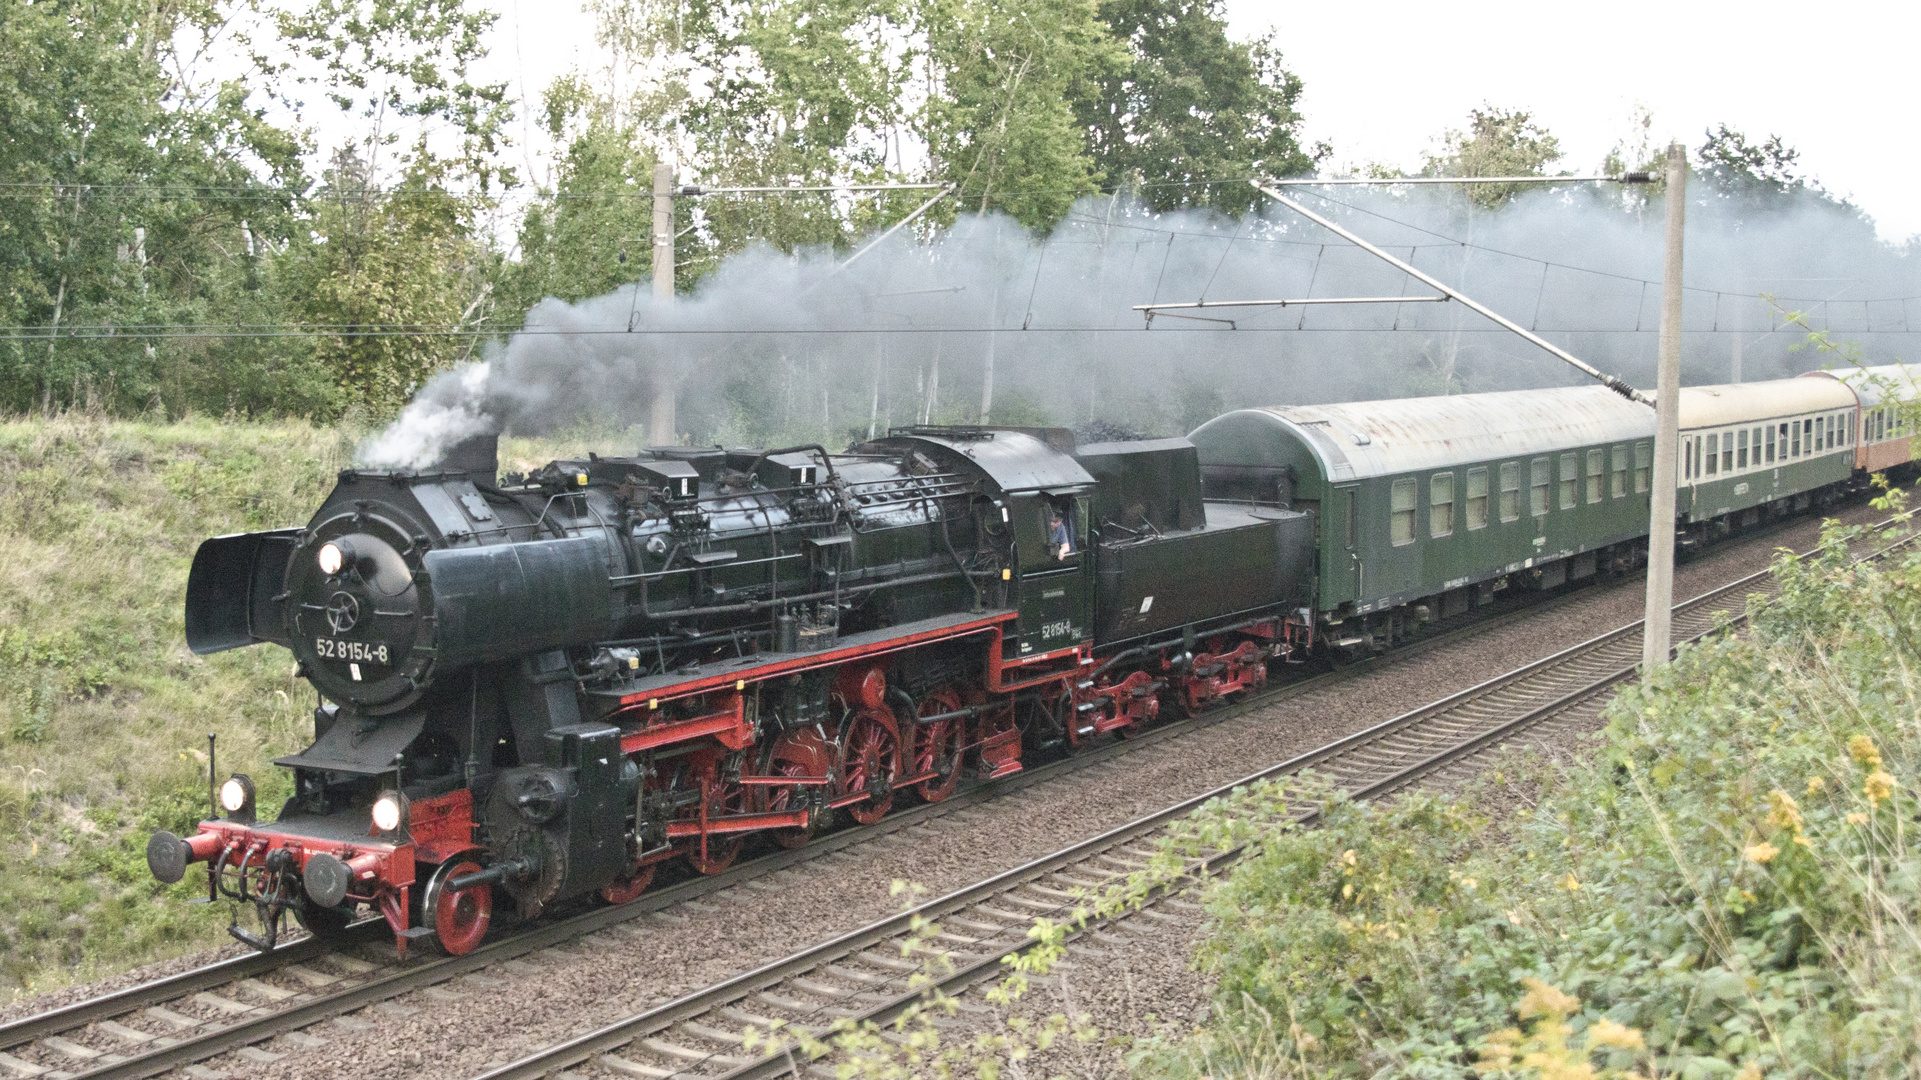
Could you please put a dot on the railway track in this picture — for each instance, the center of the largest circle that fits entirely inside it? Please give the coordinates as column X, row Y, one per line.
column 861, row 975
column 234, row 1005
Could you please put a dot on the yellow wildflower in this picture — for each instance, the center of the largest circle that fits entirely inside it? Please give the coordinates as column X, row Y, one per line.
column 1857, row 818
column 1558, row 1066
column 1750, row 1071
column 1606, row 1032
column 1879, row 785
column 1514, row 917
column 1569, row 882
column 1786, row 813
column 1347, row 891
column 1815, row 784
column 1544, row 1000
column 1862, row 749
column 1497, row 1053
column 1804, row 841
column 1762, row 852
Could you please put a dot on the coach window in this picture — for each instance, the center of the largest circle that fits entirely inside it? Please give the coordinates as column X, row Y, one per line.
column 1618, row 476
column 1756, row 442
column 1401, row 512
column 1477, row 498
column 1596, row 467
column 1537, row 482
column 1807, row 437
column 1687, row 458
column 1770, row 434
column 1510, row 491
column 1643, row 466
column 1440, row 505
column 1783, row 440
column 1741, row 454
column 1714, row 454
column 1570, row 480
column 1794, row 438
column 1727, row 451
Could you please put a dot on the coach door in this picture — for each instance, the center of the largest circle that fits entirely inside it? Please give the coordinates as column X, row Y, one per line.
column 1053, row 592
column 1347, row 575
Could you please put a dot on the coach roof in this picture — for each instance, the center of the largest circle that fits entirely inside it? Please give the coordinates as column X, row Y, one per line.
column 1877, row 385
column 1738, row 403
column 1383, row 438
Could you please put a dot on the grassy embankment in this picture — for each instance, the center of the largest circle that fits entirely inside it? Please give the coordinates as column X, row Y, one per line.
column 104, row 713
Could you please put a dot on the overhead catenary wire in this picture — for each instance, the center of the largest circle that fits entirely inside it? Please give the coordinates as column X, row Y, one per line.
column 1612, row 382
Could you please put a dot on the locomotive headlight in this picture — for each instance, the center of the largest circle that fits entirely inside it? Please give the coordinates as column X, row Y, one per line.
column 331, row 559
column 236, row 796
column 390, row 811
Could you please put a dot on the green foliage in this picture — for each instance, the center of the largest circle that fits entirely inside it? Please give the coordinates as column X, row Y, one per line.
column 999, row 119
column 1497, row 142
column 594, row 233
column 388, row 61
column 391, row 262
column 1730, row 888
column 1729, row 164
column 1190, row 105
column 137, row 195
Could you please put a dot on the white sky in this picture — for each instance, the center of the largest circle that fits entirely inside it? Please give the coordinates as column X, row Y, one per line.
column 1384, row 79
column 1835, row 80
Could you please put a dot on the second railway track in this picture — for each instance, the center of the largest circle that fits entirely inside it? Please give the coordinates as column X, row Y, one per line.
column 861, row 975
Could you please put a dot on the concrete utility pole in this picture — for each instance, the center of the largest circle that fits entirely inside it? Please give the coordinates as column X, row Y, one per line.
column 661, row 421
column 1658, row 629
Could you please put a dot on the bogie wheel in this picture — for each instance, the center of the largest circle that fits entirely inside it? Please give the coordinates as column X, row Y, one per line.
column 458, row 917
column 870, row 761
column 938, row 748
column 325, row 923
column 626, row 890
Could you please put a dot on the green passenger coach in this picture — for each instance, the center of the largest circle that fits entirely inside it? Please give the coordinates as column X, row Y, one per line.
column 1750, row 446
column 1428, row 506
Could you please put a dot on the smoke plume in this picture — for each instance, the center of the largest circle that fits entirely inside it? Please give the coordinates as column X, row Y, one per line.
column 985, row 322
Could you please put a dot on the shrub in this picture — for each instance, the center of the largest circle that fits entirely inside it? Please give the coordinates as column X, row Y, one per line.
column 1729, row 886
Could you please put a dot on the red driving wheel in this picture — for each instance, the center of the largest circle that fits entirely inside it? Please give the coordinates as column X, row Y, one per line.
column 780, row 799
column 938, row 748
column 627, row 889
column 870, row 761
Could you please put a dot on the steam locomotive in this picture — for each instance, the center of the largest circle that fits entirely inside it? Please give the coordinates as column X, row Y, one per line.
column 541, row 688
column 546, row 686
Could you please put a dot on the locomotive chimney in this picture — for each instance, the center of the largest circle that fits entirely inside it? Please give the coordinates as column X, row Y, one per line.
column 477, row 455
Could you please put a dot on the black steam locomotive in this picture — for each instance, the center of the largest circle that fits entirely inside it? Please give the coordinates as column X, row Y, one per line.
column 546, row 686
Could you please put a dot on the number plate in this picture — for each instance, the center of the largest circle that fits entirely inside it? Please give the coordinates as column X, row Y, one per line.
column 365, row 652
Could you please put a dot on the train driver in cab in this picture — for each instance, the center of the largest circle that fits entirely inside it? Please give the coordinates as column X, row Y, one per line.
column 1059, row 537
